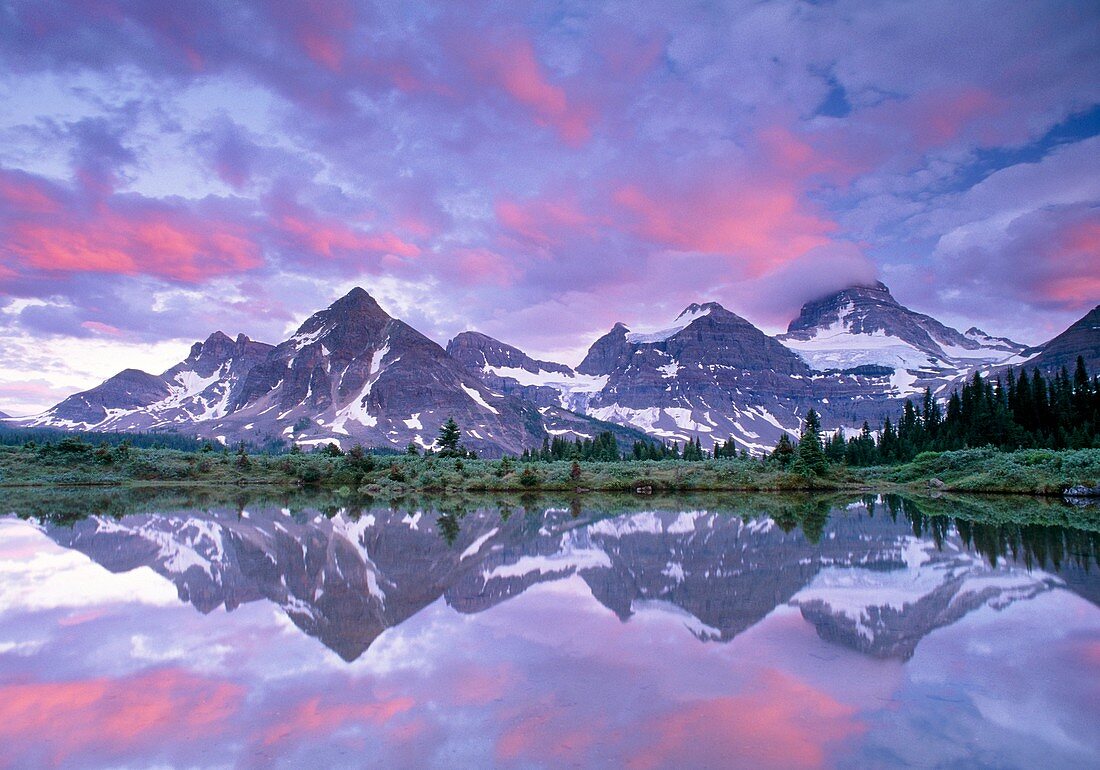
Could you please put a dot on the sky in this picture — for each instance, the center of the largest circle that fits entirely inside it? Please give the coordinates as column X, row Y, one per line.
column 533, row 170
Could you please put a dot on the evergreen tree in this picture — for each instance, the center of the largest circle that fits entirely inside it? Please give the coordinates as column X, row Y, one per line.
column 449, row 438
column 810, row 455
column 783, row 454
column 836, row 449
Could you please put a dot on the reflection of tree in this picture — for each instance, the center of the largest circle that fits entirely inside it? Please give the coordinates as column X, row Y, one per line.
column 448, row 526
column 814, row 515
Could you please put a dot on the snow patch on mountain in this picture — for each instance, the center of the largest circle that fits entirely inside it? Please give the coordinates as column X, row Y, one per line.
column 472, row 393
column 684, row 320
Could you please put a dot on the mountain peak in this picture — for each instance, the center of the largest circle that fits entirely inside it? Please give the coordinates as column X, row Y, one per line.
column 358, row 300
column 876, row 290
column 697, row 309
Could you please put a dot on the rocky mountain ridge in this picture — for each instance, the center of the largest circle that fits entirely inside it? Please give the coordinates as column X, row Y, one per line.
column 349, row 374
column 353, row 374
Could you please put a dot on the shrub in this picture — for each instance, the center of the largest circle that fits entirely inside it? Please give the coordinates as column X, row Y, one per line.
column 528, row 478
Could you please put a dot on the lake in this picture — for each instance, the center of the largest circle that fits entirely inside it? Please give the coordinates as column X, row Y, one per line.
column 228, row 629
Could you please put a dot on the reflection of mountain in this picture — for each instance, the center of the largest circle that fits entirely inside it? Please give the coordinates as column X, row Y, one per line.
column 868, row 583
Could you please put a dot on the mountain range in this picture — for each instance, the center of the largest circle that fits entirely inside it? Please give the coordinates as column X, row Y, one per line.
column 353, row 374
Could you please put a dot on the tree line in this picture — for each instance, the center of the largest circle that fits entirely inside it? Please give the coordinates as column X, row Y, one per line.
column 1016, row 410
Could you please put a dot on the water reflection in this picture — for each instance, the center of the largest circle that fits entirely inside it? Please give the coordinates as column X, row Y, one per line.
column 750, row 630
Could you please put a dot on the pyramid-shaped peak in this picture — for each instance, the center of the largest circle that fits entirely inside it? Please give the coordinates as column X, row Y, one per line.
column 217, row 337
column 357, row 300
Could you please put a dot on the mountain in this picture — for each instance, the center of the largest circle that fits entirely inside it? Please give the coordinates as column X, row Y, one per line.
column 4, row 415
column 708, row 374
column 711, row 375
column 198, row 389
column 1081, row 339
column 866, row 583
column 510, row 370
column 353, row 374
column 350, row 374
column 865, row 325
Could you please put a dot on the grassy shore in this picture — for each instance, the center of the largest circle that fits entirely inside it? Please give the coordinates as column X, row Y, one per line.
column 1031, row 471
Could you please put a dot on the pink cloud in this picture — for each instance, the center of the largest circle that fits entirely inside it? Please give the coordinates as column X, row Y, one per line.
column 159, row 241
column 477, row 266
column 1076, row 250
column 937, row 118
column 543, row 220
column 761, row 226
column 514, row 68
column 332, row 238
column 22, row 193
column 102, row 328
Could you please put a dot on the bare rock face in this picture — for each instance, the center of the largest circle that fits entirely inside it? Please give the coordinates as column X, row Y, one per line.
column 353, row 374
column 711, row 375
column 608, row 353
column 198, row 388
column 1081, row 339
column 478, row 351
column 130, row 389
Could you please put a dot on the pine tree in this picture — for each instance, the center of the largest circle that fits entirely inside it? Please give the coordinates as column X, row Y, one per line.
column 449, row 438
column 783, row 453
column 810, row 455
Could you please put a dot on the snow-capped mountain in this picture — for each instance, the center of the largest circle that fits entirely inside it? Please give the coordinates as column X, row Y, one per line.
column 350, row 374
column 865, row 325
column 866, row 583
column 709, row 374
column 201, row 388
column 510, row 370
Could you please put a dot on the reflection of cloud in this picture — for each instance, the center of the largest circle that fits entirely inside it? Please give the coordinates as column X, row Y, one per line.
column 779, row 722
column 317, row 717
column 50, row 576
column 51, row 723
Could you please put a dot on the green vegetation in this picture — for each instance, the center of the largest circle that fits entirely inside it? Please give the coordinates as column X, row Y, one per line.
column 1025, row 435
column 76, row 462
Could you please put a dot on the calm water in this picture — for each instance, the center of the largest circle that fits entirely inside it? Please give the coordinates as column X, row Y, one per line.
column 720, row 632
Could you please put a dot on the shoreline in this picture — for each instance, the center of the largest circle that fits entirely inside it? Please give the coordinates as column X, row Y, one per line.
column 884, row 488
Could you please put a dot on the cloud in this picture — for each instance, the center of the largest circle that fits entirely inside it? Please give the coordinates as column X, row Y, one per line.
column 591, row 164
column 511, row 66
